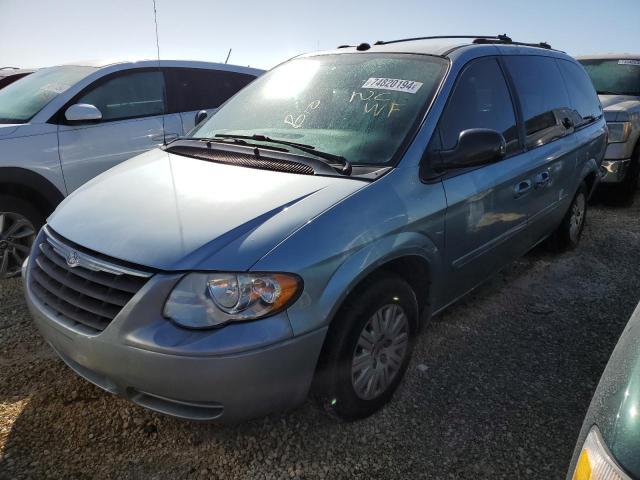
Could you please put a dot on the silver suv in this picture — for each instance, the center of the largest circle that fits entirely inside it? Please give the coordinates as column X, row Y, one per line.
column 617, row 81
column 62, row 126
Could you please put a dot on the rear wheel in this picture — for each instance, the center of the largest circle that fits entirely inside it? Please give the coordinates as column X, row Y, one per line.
column 568, row 234
column 19, row 222
column 368, row 348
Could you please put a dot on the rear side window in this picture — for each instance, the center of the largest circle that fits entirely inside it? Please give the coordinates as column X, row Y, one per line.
column 190, row 89
column 543, row 97
column 130, row 95
column 480, row 99
column 584, row 99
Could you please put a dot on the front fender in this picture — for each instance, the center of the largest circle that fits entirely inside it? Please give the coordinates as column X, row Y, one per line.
column 365, row 261
column 395, row 216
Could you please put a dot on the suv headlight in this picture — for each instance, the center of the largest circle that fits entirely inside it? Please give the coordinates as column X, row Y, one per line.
column 619, row 131
column 595, row 461
column 205, row 300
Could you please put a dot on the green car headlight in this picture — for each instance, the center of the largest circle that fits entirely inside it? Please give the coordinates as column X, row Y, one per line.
column 205, row 300
column 595, row 461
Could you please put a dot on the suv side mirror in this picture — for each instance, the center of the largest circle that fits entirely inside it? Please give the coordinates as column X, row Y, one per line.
column 82, row 112
column 201, row 116
column 476, row 146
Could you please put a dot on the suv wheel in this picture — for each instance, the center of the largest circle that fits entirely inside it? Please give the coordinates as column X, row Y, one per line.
column 19, row 222
column 568, row 234
column 368, row 348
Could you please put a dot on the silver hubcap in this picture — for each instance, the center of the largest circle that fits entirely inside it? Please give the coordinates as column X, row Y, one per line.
column 16, row 236
column 380, row 351
column 577, row 217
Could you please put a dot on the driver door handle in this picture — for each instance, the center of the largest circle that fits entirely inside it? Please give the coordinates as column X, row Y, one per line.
column 522, row 188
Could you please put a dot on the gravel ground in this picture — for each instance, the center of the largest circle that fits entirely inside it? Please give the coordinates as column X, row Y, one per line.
column 498, row 388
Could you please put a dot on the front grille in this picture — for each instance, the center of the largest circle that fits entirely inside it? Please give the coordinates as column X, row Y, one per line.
column 84, row 291
column 242, row 159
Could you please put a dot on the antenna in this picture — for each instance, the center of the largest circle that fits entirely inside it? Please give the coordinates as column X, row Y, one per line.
column 228, row 55
column 155, row 20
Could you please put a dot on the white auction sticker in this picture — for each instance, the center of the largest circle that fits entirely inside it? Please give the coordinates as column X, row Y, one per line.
column 395, row 84
column 629, row 62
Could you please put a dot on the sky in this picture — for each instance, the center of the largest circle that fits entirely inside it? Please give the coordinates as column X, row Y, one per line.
column 263, row 33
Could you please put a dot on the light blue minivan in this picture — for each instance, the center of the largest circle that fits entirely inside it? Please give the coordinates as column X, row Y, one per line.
column 298, row 239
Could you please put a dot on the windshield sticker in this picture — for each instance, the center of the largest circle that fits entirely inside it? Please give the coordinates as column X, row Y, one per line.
column 376, row 103
column 629, row 62
column 298, row 121
column 395, row 84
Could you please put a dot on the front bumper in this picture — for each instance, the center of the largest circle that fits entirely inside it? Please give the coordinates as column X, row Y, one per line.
column 614, row 171
column 234, row 373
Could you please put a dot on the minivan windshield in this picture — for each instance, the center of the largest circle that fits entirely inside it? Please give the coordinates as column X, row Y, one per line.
column 614, row 77
column 21, row 100
column 357, row 106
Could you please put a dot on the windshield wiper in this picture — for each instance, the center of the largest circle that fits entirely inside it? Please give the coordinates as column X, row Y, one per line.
column 237, row 141
column 345, row 165
column 607, row 92
column 12, row 121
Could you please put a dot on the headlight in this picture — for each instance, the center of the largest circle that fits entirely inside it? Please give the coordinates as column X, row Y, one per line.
column 595, row 461
column 619, row 131
column 205, row 300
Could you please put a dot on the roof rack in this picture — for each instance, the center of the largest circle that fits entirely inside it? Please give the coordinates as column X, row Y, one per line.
column 503, row 37
column 483, row 40
column 477, row 39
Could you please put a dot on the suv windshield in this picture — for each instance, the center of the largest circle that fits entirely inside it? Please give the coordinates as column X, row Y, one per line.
column 357, row 106
column 21, row 100
column 614, row 77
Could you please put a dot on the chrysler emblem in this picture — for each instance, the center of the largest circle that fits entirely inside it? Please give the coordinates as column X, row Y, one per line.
column 72, row 259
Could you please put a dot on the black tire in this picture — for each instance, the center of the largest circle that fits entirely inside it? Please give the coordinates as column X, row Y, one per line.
column 568, row 234
column 16, row 206
column 334, row 385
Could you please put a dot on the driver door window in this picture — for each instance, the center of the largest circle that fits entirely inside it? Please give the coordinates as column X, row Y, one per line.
column 480, row 99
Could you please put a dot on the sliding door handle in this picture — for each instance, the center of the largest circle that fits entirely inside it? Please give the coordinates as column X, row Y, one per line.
column 542, row 179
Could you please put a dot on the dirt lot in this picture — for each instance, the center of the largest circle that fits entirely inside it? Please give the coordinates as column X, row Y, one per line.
column 497, row 389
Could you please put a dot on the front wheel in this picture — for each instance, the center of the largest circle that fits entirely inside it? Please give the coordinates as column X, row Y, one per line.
column 368, row 348
column 568, row 234
column 19, row 222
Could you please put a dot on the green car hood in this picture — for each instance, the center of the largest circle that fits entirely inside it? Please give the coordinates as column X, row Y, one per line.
column 615, row 407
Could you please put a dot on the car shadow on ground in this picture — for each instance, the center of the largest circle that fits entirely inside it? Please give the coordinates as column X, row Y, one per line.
column 498, row 388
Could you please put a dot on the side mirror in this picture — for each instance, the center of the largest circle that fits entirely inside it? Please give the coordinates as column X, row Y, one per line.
column 201, row 116
column 82, row 112
column 476, row 146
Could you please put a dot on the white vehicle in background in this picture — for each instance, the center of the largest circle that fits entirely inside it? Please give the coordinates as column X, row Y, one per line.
column 61, row 126
column 617, row 81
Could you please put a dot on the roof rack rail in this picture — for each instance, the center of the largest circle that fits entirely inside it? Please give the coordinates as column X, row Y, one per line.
column 503, row 37
column 486, row 40
column 477, row 39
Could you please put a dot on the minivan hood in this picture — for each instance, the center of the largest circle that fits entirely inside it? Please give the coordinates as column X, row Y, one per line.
column 170, row 212
column 618, row 107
